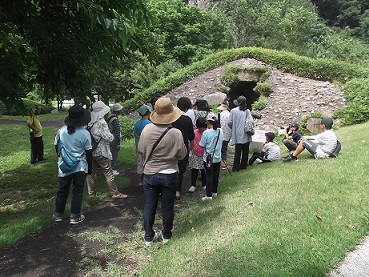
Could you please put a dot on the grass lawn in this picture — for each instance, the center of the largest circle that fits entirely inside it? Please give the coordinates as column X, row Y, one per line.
column 276, row 219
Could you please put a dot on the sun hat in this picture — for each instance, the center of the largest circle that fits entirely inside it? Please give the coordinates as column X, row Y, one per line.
column 241, row 99
column 99, row 110
column 164, row 112
column 117, row 107
column 223, row 106
column 77, row 116
column 270, row 135
column 327, row 121
column 144, row 109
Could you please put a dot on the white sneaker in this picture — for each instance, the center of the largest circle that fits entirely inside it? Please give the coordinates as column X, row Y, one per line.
column 155, row 239
column 115, row 173
column 192, row 189
column 206, row 198
column 215, row 194
column 204, row 187
column 165, row 241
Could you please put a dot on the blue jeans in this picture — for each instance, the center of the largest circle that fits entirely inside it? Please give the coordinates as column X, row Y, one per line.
column 154, row 185
column 212, row 179
column 78, row 179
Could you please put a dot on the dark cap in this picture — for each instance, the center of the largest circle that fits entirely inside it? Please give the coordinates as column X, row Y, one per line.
column 296, row 125
column 37, row 107
column 241, row 99
column 270, row 135
column 327, row 121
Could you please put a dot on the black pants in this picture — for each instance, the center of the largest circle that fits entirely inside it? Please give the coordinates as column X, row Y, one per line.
column 37, row 149
column 258, row 155
column 241, row 156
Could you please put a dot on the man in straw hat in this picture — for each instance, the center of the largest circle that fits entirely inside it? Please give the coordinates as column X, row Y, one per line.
column 102, row 156
column 160, row 148
column 74, row 136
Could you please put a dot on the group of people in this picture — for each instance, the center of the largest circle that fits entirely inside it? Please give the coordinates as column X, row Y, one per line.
column 81, row 126
column 168, row 139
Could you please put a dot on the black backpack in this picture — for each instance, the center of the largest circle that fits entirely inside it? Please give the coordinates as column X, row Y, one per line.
column 336, row 151
column 94, row 143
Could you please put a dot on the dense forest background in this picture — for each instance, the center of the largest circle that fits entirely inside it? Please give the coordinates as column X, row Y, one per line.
column 57, row 50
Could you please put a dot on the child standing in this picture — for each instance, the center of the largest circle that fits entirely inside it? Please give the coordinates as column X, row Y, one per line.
column 196, row 159
column 211, row 140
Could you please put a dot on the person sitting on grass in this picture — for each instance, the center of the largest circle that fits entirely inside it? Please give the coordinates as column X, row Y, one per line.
column 270, row 151
column 321, row 145
column 292, row 137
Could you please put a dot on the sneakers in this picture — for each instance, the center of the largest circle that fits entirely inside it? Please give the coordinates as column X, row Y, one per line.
column 290, row 158
column 115, row 173
column 206, row 198
column 214, row 194
column 192, row 189
column 165, row 241
column 119, row 196
column 223, row 166
column 77, row 220
column 154, row 239
column 204, row 188
column 57, row 218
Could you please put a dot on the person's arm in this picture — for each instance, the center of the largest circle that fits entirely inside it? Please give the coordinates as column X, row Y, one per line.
column 29, row 125
column 190, row 145
column 309, row 137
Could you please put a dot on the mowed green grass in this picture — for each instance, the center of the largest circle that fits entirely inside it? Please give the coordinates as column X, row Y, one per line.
column 277, row 219
column 27, row 192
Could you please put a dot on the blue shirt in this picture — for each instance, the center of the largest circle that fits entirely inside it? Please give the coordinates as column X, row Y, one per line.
column 208, row 140
column 78, row 143
column 139, row 126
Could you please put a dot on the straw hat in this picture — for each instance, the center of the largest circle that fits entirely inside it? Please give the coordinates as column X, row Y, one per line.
column 164, row 112
column 223, row 106
column 78, row 116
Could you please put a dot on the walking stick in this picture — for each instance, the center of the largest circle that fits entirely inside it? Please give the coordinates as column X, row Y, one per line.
column 227, row 167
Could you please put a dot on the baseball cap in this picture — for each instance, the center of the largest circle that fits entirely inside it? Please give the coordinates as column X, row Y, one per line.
column 144, row 109
column 295, row 124
column 270, row 135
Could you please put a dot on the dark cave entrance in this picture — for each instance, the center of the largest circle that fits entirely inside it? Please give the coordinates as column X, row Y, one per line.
column 245, row 88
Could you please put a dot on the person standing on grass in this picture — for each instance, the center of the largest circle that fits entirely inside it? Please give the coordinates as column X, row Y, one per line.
column 101, row 156
column 114, row 128
column 321, row 145
column 35, row 133
column 74, row 136
column 223, row 118
column 241, row 140
column 160, row 148
column 270, row 150
column 196, row 162
column 185, row 125
column 144, row 111
column 211, row 140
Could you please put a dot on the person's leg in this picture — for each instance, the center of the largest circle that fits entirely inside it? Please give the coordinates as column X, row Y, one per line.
column 169, row 183
column 33, row 150
column 216, row 172
column 182, row 164
column 79, row 179
column 209, row 181
column 255, row 156
column 224, row 150
column 62, row 195
column 151, row 196
column 203, row 177
column 290, row 144
column 114, row 153
column 245, row 155
column 194, row 174
column 40, row 147
column 237, row 157
column 92, row 178
column 105, row 165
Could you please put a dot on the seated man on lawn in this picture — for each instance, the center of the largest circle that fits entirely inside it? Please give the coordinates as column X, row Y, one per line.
column 321, row 145
column 270, row 151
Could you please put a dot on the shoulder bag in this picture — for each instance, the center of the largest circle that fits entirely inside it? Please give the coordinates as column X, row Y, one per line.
column 249, row 125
